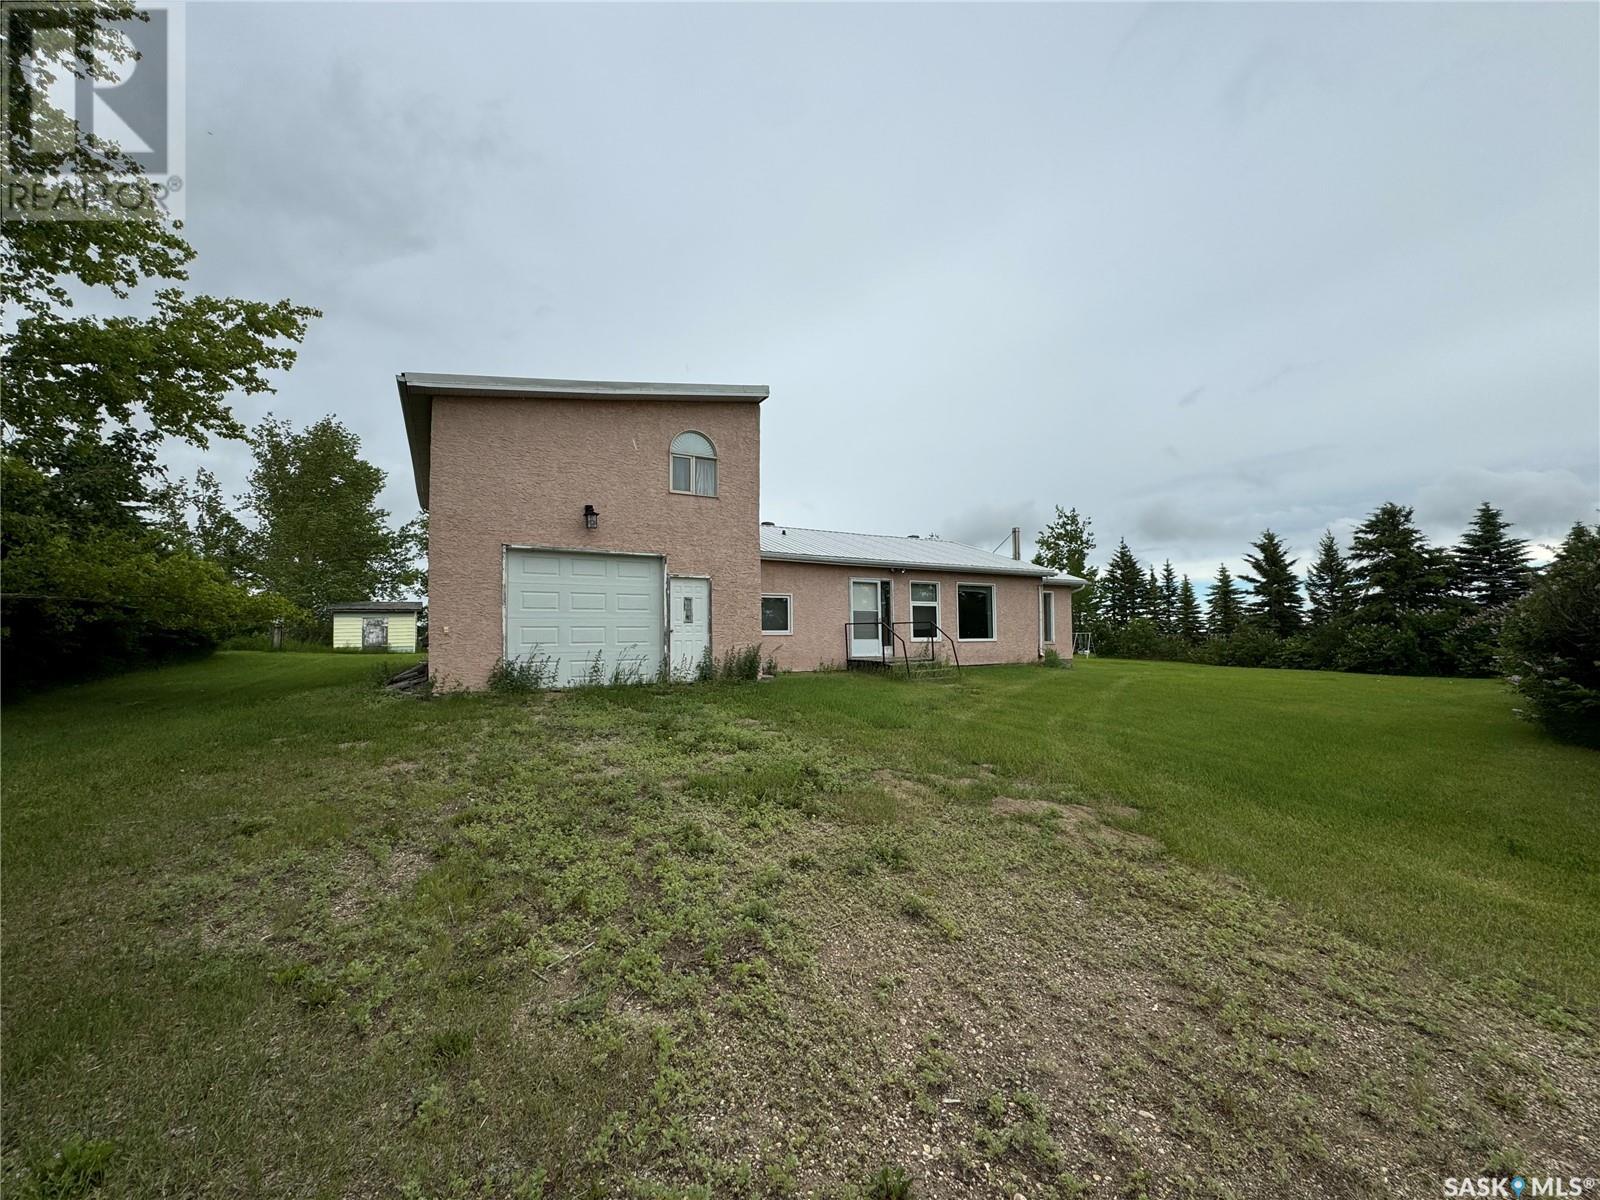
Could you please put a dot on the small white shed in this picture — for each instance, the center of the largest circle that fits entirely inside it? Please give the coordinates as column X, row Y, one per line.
column 376, row 625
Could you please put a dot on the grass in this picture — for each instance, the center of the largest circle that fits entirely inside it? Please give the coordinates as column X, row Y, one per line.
column 1418, row 813
column 1126, row 929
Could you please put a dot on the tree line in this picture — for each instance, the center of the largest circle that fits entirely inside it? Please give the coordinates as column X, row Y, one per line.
column 1389, row 603
column 106, row 563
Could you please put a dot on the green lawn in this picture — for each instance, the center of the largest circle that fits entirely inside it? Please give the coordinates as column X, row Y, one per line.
column 1418, row 813
column 1129, row 929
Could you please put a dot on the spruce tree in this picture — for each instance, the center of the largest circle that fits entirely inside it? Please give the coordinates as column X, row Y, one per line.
column 1064, row 545
column 1191, row 627
column 1491, row 566
column 1151, row 609
column 1167, row 601
column 1222, row 608
column 1398, row 572
column 1331, row 588
column 1121, row 588
column 1275, row 601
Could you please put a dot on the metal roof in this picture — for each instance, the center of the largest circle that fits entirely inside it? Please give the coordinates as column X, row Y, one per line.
column 378, row 606
column 1064, row 580
column 790, row 544
column 417, row 390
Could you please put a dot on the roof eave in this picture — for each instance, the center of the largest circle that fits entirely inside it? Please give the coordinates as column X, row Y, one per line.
column 1025, row 569
column 580, row 389
column 417, row 408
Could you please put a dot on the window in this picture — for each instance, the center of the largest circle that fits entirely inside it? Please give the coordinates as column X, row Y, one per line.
column 925, row 611
column 694, row 464
column 775, row 614
column 1048, row 614
column 975, row 612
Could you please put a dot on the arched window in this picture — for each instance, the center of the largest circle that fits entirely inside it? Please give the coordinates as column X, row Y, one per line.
column 694, row 464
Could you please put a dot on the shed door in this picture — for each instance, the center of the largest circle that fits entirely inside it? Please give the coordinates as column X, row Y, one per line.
column 589, row 617
column 375, row 632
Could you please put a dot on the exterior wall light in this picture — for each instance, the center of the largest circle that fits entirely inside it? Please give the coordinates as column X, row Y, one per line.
column 591, row 518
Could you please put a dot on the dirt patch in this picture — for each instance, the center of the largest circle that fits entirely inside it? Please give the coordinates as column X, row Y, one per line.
column 366, row 882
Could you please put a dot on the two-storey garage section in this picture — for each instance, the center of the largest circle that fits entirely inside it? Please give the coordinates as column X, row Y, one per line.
column 586, row 617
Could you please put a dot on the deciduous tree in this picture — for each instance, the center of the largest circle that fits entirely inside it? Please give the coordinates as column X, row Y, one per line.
column 320, row 536
column 1064, row 545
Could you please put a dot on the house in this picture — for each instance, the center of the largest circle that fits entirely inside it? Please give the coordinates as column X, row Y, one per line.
column 609, row 527
column 376, row 625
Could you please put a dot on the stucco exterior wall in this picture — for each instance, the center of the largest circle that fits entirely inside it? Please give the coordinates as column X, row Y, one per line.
column 519, row 471
column 820, row 608
column 1063, row 642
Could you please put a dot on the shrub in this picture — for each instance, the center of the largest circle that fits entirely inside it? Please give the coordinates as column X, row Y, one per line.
column 75, row 609
column 1550, row 646
column 741, row 663
column 1051, row 659
column 514, row 676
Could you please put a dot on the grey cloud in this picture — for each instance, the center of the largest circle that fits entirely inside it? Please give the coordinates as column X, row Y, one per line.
column 1542, row 504
column 977, row 252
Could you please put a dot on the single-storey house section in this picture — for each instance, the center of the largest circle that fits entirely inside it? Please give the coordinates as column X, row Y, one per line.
column 376, row 625
column 612, row 529
column 830, row 598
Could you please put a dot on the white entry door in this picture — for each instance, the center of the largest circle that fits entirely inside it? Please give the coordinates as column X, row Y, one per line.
column 868, row 603
column 689, row 604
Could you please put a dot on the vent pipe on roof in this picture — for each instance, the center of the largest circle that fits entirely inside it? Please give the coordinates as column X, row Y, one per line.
column 1016, row 542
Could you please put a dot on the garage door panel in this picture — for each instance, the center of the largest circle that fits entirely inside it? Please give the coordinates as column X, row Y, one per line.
column 585, row 607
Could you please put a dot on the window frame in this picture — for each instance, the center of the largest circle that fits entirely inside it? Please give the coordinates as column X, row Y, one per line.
column 1047, row 629
column 937, row 602
column 694, row 461
column 788, row 614
column 994, row 614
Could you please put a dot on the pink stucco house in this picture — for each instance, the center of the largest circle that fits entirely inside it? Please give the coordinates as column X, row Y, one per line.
column 612, row 527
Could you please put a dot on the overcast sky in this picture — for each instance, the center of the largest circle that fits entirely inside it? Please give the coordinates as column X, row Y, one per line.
column 1196, row 270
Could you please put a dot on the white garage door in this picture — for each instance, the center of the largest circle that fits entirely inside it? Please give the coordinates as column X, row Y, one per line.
column 592, row 617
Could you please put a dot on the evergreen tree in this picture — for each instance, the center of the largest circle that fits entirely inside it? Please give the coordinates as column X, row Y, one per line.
column 1167, row 601
column 1064, row 545
column 1121, row 588
column 1191, row 627
column 1331, row 588
column 1551, row 642
column 1150, row 610
column 1491, row 566
column 1275, row 602
column 1398, row 572
column 1223, row 606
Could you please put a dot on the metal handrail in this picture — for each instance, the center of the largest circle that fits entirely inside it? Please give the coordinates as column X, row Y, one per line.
column 955, row 655
column 884, row 644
